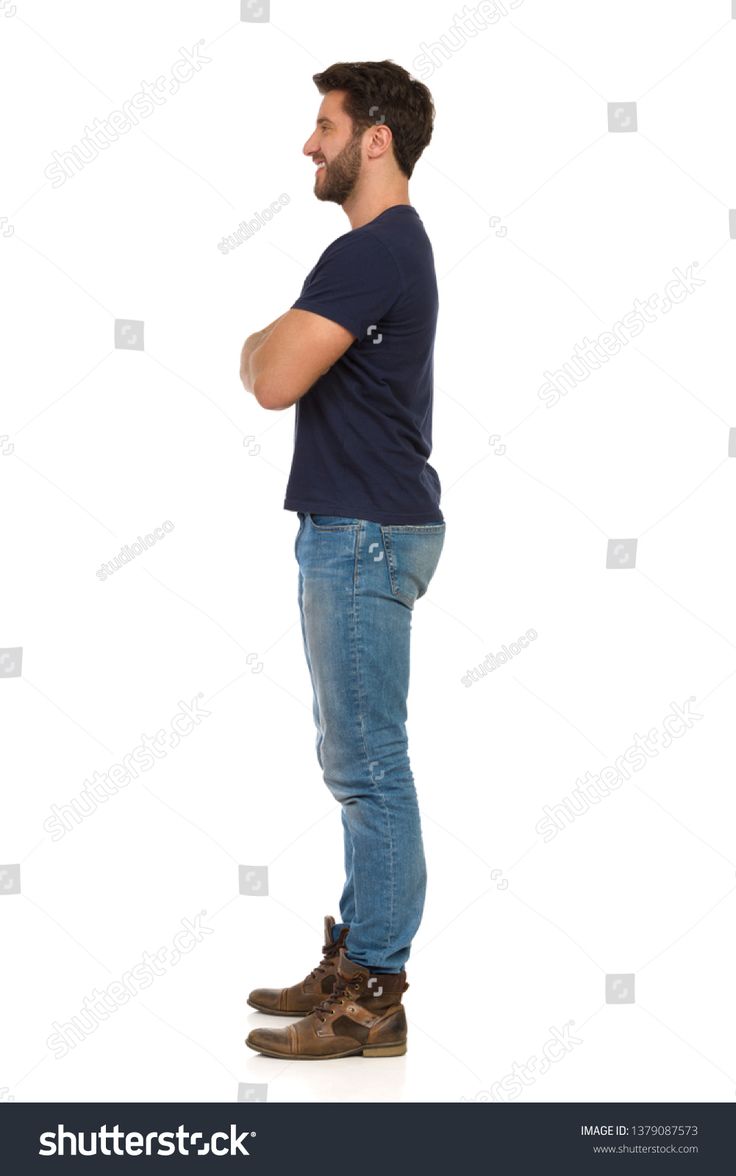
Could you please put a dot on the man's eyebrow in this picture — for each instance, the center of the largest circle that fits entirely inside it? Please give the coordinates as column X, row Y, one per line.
column 323, row 120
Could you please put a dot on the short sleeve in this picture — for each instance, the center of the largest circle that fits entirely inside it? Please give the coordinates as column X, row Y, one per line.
column 354, row 283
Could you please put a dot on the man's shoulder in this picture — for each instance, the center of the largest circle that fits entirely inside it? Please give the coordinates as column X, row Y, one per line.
column 403, row 235
column 365, row 245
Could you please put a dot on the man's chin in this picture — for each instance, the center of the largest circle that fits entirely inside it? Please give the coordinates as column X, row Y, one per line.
column 325, row 196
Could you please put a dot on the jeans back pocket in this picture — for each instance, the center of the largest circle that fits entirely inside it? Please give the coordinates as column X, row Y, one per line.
column 412, row 555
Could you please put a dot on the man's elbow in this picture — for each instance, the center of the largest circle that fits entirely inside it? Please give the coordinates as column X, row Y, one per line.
column 272, row 396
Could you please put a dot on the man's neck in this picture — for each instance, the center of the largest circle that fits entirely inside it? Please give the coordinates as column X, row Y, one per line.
column 366, row 208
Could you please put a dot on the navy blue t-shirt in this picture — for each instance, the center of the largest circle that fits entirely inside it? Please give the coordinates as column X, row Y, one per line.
column 363, row 431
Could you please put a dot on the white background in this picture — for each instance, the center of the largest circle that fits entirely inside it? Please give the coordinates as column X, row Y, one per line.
column 102, row 444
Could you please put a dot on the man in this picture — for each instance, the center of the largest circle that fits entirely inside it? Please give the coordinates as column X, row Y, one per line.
column 355, row 355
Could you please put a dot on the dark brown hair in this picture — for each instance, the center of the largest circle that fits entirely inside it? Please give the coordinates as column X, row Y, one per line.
column 382, row 92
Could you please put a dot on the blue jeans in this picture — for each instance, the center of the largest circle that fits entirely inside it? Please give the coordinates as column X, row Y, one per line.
column 358, row 582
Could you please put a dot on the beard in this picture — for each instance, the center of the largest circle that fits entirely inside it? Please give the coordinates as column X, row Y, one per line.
column 341, row 175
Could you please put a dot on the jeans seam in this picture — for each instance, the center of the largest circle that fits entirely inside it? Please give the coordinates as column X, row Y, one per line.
column 360, row 537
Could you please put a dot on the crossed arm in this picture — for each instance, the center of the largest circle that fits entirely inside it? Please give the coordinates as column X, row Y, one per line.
column 281, row 362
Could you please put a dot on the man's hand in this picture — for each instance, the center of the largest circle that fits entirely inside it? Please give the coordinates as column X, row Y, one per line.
column 251, row 343
column 282, row 362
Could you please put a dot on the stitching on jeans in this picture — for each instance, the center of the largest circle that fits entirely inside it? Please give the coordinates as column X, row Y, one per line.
column 386, row 539
column 360, row 537
column 393, row 570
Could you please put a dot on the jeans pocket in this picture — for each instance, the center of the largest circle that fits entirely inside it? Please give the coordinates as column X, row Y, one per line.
column 331, row 522
column 412, row 555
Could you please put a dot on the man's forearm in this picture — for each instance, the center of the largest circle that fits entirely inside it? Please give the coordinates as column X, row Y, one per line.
column 252, row 343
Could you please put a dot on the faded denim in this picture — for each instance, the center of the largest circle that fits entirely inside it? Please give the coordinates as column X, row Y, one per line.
column 358, row 584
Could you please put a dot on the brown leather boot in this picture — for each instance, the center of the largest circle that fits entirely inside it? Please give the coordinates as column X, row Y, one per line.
column 298, row 1000
column 363, row 1015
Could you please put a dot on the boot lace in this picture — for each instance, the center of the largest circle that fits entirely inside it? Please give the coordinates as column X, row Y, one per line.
column 329, row 951
column 342, row 988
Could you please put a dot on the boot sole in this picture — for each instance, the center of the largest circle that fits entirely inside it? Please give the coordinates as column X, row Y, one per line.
column 394, row 1050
